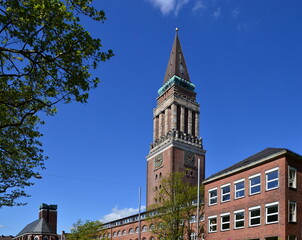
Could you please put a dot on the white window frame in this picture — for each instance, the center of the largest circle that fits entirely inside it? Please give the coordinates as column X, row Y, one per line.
column 224, row 194
column 239, row 220
column 271, row 214
column 239, row 190
column 272, row 180
column 227, row 222
column 193, row 236
column 250, row 217
column 210, row 198
column 255, row 185
column 294, row 181
column 290, row 202
column 210, row 225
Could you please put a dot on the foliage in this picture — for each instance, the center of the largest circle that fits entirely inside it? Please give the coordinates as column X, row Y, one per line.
column 46, row 57
column 85, row 230
column 175, row 205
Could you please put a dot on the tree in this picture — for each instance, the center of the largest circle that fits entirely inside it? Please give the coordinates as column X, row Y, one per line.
column 46, row 57
column 172, row 216
column 85, row 230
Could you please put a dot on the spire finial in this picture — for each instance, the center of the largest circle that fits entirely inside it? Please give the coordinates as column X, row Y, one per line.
column 176, row 30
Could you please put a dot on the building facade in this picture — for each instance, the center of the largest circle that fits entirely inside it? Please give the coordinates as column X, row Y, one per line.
column 257, row 198
column 44, row 228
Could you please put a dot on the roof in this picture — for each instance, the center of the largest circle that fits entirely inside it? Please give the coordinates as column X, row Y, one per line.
column 265, row 154
column 38, row 226
column 176, row 65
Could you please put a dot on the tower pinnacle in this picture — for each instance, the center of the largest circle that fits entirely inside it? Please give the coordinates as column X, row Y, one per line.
column 176, row 65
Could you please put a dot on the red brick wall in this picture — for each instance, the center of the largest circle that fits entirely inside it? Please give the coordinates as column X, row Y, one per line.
column 265, row 197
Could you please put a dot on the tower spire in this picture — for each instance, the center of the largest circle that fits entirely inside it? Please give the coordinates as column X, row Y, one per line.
column 176, row 65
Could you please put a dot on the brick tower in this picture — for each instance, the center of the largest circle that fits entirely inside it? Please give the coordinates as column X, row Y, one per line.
column 176, row 143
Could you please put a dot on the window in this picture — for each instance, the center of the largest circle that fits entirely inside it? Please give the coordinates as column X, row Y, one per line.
column 239, row 189
column 131, row 231
column 292, row 211
column 292, row 177
column 119, row 233
column 272, row 179
column 255, row 184
column 272, row 213
column 239, row 219
column 292, row 237
column 45, row 238
column 192, row 236
column 109, row 235
column 137, row 229
column 225, row 193
column 193, row 219
column 254, row 219
column 124, row 232
column 144, row 229
column 271, row 238
column 36, row 238
column 212, row 224
column 114, row 234
column 225, row 221
column 152, row 227
column 213, row 196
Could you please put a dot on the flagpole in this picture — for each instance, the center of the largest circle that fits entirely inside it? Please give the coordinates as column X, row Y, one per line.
column 139, row 213
column 198, row 199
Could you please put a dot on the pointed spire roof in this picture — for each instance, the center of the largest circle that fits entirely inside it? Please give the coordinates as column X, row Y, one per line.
column 176, row 65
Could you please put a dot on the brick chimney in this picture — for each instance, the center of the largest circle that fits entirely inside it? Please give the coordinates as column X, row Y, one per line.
column 49, row 213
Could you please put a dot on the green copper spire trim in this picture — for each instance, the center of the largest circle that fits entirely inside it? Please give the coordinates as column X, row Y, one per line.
column 178, row 81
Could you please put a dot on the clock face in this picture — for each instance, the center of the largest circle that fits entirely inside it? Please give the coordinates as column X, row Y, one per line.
column 189, row 159
column 158, row 160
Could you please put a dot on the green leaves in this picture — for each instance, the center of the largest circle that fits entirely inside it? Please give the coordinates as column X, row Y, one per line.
column 174, row 207
column 46, row 57
column 85, row 230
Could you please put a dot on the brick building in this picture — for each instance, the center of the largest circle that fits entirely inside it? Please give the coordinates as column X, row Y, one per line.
column 257, row 198
column 44, row 228
column 176, row 144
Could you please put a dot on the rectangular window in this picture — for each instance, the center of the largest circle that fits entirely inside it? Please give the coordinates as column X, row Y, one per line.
column 292, row 177
column 255, row 184
column 272, row 179
column 225, row 221
column 212, row 224
column 225, row 193
column 239, row 219
column 239, row 189
column 292, row 211
column 292, row 237
column 213, row 196
column 254, row 216
column 272, row 213
column 271, row 238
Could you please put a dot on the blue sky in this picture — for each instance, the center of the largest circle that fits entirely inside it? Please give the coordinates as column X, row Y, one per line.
column 245, row 58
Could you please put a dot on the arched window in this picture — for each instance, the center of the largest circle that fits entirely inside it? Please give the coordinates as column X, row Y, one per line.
column 45, row 238
column 160, row 175
column 124, row 232
column 131, row 231
column 151, row 238
column 119, row 233
column 155, row 176
column 144, row 229
column 114, row 234
column 192, row 236
column 151, row 227
column 143, row 238
column 137, row 230
column 36, row 238
column 192, row 219
column 109, row 235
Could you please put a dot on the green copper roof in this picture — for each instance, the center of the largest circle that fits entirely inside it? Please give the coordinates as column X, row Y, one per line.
column 176, row 80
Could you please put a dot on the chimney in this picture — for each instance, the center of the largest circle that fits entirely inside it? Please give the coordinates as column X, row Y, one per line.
column 49, row 213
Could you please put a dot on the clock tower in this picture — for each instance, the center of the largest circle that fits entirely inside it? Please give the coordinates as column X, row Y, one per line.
column 176, row 142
